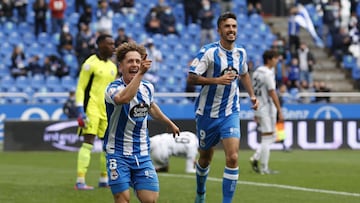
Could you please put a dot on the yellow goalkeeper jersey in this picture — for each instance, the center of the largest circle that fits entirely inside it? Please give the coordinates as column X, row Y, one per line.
column 94, row 77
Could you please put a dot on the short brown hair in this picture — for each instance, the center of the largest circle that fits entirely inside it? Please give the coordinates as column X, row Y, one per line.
column 224, row 17
column 125, row 47
column 268, row 55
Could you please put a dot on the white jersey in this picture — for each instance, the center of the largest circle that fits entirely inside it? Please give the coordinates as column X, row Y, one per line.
column 263, row 80
column 163, row 146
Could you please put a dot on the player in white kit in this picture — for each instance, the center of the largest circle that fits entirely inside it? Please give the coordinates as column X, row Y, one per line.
column 263, row 80
column 163, row 146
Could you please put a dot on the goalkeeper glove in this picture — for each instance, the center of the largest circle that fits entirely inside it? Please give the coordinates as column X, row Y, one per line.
column 82, row 118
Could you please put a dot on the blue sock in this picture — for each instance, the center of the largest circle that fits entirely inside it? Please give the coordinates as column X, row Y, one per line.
column 201, row 176
column 230, row 178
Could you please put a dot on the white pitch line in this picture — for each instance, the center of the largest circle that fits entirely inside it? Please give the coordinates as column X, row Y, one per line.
column 270, row 185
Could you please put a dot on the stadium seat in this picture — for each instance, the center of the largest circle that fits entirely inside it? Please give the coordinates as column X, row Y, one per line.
column 172, row 40
column 158, row 39
column 9, row 27
column 73, row 19
column 55, row 39
column 248, row 29
column 7, row 82
column 3, row 37
column 255, row 19
column 4, row 70
column 194, row 30
column 16, row 100
column 355, row 73
column 6, row 49
column 71, row 61
column 43, row 38
column 263, row 29
column 294, row 95
column 28, row 38
column 52, row 83
column 24, row 26
column 38, row 82
column 34, row 49
column 14, row 38
column 50, row 49
column 68, row 83
column 21, row 82
column 349, row 62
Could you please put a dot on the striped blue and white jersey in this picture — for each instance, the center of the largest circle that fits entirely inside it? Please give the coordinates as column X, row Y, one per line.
column 213, row 61
column 127, row 132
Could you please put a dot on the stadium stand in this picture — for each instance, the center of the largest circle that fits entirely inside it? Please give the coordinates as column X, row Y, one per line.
column 179, row 49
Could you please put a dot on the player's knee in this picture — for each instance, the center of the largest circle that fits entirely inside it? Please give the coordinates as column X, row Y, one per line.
column 232, row 159
column 121, row 197
column 148, row 197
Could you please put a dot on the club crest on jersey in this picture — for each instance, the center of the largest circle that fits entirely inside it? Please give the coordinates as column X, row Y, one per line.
column 139, row 111
column 229, row 69
column 114, row 174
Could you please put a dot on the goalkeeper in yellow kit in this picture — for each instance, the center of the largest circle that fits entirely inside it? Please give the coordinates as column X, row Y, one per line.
column 96, row 73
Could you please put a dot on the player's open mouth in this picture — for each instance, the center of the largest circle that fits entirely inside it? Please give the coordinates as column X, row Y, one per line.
column 133, row 70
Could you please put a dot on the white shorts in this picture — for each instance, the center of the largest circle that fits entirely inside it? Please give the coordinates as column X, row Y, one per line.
column 267, row 123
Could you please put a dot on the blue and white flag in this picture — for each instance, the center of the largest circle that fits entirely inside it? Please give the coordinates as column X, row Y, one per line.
column 304, row 20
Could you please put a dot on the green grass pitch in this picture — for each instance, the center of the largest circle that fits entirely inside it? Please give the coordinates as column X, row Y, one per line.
column 305, row 177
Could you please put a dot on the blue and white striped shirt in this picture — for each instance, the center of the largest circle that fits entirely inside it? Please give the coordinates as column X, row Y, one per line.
column 213, row 61
column 127, row 132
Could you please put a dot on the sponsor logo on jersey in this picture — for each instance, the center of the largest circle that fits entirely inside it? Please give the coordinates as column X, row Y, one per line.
column 140, row 111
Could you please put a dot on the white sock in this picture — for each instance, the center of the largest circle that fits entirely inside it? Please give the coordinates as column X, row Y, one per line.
column 266, row 141
column 80, row 180
column 256, row 155
column 103, row 179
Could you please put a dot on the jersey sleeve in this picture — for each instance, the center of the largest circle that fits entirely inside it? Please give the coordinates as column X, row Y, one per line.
column 201, row 62
column 270, row 82
column 84, row 77
column 243, row 62
column 111, row 90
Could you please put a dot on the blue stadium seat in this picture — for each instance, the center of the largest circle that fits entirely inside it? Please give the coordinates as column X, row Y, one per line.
column 5, row 49
column 242, row 19
column 4, row 70
column 68, row 83
column 50, row 49
column 16, row 100
column 14, row 38
column 52, row 83
column 158, row 39
column 294, row 95
column 248, row 29
column 263, row 29
column 194, row 30
column 172, row 40
column 71, row 61
column 7, row 82
column 349, row 62
column 355, row 73
column 37, row 82
column 24, row 27
column 9, row 27
column 43, row 38
column 3, row 37
column 55, row 39
column 28, row 38
column 255, row 19
column 21, row 82
column 73, row 19
column 34, row 49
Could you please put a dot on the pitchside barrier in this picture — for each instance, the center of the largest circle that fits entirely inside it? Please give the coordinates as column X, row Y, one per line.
column 300, row 134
